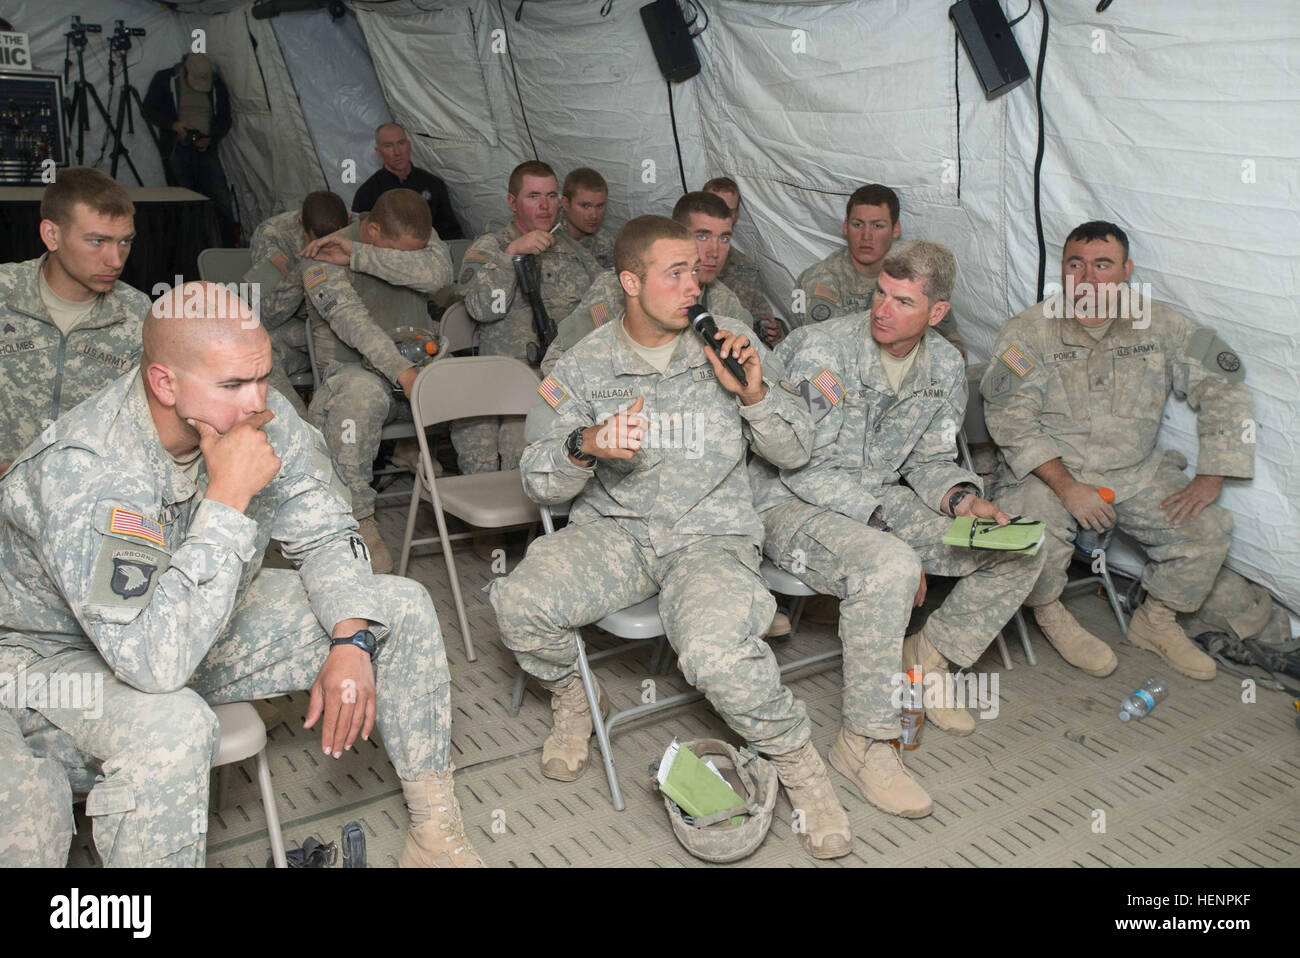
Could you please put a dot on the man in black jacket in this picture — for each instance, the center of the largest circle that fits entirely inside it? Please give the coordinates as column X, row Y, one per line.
column 190, row 107
column 398, row 173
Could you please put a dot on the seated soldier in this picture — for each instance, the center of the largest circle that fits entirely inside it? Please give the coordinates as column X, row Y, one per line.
column 843, row 282
column 130, row 551
column 649, row 431
column 277, row 268
column 741, row 273
column 492, row 298
column 1074, row 399
column 68, row 325
column 704, row 215
column 368, row 280
column 583, row 200
column 886, row 395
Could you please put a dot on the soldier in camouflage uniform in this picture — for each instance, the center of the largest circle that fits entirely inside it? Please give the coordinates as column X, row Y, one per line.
column 277, row 270
column 604, row 300
column 369, row 279
column 740, row 273
column 68, row 326
column 669, row 511
column 843, row 282
column 130, row 551
column 487, row 281
column 887, row 396
column 583, row 200
column 1074, row 398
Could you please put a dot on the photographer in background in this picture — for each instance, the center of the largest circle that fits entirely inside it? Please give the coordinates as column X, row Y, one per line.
column 190, row 107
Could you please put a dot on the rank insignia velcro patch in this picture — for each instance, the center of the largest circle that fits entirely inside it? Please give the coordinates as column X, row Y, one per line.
column 133, row 524
column 1017, row 361
column 313, row 277
column 600, row 314
column 830, row 386
column 552, row 392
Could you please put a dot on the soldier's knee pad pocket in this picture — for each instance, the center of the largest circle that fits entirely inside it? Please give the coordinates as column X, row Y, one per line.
column 107, row 805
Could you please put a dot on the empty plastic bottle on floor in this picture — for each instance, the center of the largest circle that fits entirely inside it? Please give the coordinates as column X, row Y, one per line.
column 1139, row 703
column 1087, row 541
column 913, row 711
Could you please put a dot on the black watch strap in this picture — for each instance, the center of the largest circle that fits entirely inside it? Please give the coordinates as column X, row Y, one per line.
column 958, row 495
column 363, row 639
column 573, row 446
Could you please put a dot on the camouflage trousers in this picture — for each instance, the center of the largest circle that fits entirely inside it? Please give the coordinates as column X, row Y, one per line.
column 714, row 605
column 285, row 362
column 991, row 586
column 488, row 443
column 1183, row 560
column 874, row 575
column 351, row 408
column 32, row 782
column 155, row 750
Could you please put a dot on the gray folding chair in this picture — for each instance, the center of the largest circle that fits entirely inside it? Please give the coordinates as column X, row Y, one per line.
column 457, row 248
column 459, row 331
column 224, row 265
column 458, row 388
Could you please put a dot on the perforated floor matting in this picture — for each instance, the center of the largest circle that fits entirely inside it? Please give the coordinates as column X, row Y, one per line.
column 1054, row 779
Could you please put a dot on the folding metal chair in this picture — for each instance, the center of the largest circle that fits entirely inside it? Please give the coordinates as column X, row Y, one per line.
column 224, row 265
column 459, row 331
column 458, row 388
column 457, row 248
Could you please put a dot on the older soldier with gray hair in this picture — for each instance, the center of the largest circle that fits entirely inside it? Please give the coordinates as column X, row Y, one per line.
column 664, row 508
column 68, row 325
column 130, row 550
column 888, row 394
column 1074, row 398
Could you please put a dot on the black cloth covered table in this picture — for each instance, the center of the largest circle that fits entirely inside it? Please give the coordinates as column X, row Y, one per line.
column 172, row 226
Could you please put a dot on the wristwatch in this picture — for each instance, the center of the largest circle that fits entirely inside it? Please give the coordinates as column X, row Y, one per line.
column 573, row 446
column 362, row 639
column 955, row 499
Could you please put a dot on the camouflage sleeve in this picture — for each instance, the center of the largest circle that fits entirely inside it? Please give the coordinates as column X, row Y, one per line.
column 749, row 290
column 487, row 280
column 279, row 290
column 425, row 270
column 778, row 426
column 549, row 475
column 820, row 300
column 1013, row 389
column 339, row 305
column 152, row 608
column 314, row 525
column 592, row 312
column 931, row 468
column 1210, row 375
column 830, row 479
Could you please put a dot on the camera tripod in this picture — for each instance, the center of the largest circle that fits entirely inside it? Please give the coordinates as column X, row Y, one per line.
column 118, row 45
column 84, row 94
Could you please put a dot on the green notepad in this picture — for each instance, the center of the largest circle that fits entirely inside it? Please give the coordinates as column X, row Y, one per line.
column 1021, row 535
column 694, row 786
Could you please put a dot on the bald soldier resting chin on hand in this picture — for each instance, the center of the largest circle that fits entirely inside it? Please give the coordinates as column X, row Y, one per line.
column 130, row 550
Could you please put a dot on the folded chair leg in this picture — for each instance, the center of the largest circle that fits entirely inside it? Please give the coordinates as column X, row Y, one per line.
column 517, row 696
column 1019, row 619
column 271, row 810
column 598, row 720
column 411, row 514
column 1002, row 650
column 454, row 578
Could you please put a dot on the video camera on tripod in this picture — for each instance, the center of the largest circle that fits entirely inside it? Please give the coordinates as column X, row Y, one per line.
column 120, row 41
column 77, row 31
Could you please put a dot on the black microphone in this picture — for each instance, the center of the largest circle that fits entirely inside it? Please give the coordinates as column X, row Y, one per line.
column 704, row 324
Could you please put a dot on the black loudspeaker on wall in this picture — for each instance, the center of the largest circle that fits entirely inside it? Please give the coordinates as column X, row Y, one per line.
column 989, row 43
column 671, row 40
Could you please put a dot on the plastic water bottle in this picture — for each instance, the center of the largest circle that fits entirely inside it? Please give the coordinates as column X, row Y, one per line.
column 1086, row 541
column 1138, row 704
column 913, row 711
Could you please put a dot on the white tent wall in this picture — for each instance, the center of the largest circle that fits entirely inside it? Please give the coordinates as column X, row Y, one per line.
column 1152, row 112
column 45, row 23
column 268, row 156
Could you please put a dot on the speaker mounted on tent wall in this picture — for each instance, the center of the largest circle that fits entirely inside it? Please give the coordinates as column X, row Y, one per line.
column 989, row 43
column 671, row 40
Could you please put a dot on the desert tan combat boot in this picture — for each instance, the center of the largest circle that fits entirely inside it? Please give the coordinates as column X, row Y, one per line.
column 819, row 818
column 381, row 560
column 1154, row 628
column 780, row 626
column 876, row 768
column 567, row 748
column 917, row 650
column 1076, row 644
column 436, row 838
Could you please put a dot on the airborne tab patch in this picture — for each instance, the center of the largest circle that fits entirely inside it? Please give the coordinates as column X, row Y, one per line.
column 552, row 392
column 133, row 524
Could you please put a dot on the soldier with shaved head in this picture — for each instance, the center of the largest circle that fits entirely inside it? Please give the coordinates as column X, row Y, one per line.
column 130, row 553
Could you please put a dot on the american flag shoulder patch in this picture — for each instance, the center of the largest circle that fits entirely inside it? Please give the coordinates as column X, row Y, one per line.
column 127, row 523
column 600, row 314
column 281, row 262
column 313, row 277
column 552, row 392
column 830, row 386
column 1017, row 361
column 826, row 292
column 475, row 254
